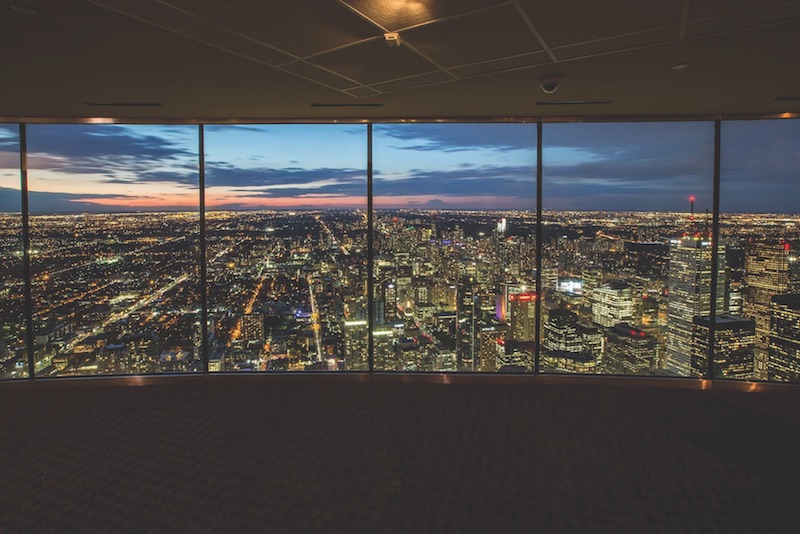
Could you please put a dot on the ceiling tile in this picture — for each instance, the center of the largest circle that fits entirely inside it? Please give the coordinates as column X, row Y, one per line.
column 618, row 44
column 323, row 24
column 500, row 65
column 398, row 14
column 492, row 34
column 198, row 7
column 362, row 92
column 317, row 74
column 413, row 81
column 576, row 21
column 222, row 38
column 701, row 9
column 374, row 62
column 151, row 11
column 743, row 21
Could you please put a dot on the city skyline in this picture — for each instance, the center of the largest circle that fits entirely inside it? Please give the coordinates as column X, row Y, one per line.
column 587, row 167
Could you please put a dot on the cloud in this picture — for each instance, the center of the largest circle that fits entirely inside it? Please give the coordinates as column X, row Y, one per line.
column 459, row 137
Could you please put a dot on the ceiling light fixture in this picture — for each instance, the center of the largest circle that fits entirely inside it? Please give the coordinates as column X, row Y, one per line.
column 680, row 66
column 550, row 84
column 392, row 38
column 344, row 105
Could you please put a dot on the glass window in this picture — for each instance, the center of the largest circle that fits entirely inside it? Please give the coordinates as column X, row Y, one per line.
column 286, row 231
column 758, row 336
column 114, row 224
column 626, row 252
column 455, row 247
column 13, row 350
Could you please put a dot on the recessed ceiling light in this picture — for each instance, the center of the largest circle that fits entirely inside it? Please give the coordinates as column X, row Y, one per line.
column 680, row 66
column 23, row 9
column 124, row 104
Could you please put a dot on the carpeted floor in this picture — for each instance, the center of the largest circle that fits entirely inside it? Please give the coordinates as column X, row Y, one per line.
column 212, row 455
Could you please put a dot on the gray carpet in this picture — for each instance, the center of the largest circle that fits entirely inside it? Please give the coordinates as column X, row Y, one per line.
column 226, row 454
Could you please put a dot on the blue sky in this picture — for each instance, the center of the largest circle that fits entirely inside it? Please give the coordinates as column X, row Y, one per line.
column 587, row 166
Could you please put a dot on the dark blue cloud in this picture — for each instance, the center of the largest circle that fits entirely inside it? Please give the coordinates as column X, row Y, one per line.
column 223, row 174
column 512, row 182
column 444, row 137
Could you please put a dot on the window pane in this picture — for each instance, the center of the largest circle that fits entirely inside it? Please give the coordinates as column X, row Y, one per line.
column 626, row 264
column 287, row 247
column 455, row 227
column 13, row 351
column 114, row 244
column 759, row 336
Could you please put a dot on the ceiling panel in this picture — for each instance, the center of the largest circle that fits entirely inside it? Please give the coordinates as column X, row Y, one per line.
column 413, row 81
column 525, row 60
column 317, row 74
column 740, row 21
column 373, row 62
column 151, row 11
column 617, row 44
column 300, row 27
column 362, row 92
column 474, row 38
column 398, row 14
column 222, row 38
column 576, row 21
column 198, row 7
column 701, row 9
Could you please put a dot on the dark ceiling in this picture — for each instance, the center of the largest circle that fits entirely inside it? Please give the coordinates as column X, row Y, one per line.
column 273, row 60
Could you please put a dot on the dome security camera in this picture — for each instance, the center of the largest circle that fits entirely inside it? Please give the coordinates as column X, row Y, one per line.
column 550, row 84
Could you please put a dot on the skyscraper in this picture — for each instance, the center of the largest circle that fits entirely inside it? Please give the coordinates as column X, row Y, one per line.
column 784, row 338
column 734, row 339
column 766, row 267
column 612, row 303
column 523, row 316
column 629, row 351
column 689, row 285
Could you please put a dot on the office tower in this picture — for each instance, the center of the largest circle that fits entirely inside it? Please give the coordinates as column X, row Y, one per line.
column 252, row 327
column 561, row 331
column 490, row 337
column 734, row 342
column 784, row 338
column 356, row 345
column 592, row 339
column 689, row 287
column 612, row 303
column 766, row 266
column 467, row 327
column 523, row 316
column 569, row 362
column 550, row 278
column 503, row 298
column 384, row 339
column 629, row 351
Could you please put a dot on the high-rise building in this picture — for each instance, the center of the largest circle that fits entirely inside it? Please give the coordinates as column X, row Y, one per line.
column 523, row 316
column 612, row 303
column 467, row 324
column 689, row 286
column 252, row 327
column 784, row 338
column 629, row 351
column 734, row 339
column 561, row 331
column 766, row 266
column 356, row 345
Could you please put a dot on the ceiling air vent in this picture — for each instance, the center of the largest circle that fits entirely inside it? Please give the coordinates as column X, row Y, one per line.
column 573, row 102
column 124, row 104
column 336, row 105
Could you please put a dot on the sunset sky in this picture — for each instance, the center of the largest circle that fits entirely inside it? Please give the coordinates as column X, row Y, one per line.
column 600, row 166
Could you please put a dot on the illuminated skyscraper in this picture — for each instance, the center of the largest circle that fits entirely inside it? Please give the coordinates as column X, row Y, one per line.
column 523, row 316
column 253, row 327
column 612, row 303
column 766, row 267
column 467, row 324
column 629, row 351
column 734, row 339
column 561, row 331
column 356, row 345
column 784, row 338
column 689, row 286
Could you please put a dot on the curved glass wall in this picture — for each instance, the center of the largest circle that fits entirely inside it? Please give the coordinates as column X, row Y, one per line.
column 626, row 253
column 758, row 337
column 286, row 232
column 114, row 224
column 13, row 348
column 454, row 241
